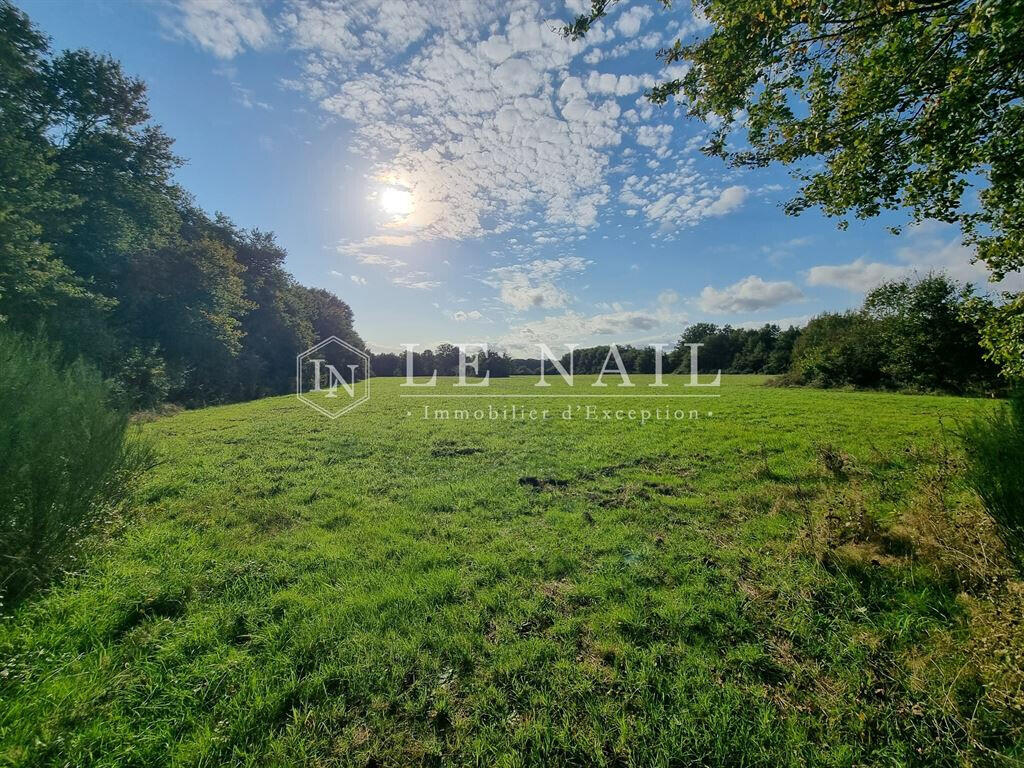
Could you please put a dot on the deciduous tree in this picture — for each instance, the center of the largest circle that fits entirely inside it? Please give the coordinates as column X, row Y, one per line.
column 894, row 104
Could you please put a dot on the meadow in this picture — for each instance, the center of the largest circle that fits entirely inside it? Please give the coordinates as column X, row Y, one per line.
column 793, row 577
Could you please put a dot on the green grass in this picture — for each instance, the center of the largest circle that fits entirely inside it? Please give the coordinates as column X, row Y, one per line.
column 387, row 590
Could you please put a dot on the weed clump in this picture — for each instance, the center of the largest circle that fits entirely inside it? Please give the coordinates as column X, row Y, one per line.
column 833, row 459
column 66, row 460
column 994, row 445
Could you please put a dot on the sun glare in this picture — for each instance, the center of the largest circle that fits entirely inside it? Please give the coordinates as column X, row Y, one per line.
column 396, row 201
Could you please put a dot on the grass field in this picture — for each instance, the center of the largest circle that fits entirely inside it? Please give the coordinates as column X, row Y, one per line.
column 791, row 580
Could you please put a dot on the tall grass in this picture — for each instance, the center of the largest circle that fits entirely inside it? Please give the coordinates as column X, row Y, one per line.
column 995, row 450
column 66, row 459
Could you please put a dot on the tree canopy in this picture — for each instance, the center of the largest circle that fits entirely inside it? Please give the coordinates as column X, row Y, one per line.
column 101, row 250
column 909, row 334
column 886, row 105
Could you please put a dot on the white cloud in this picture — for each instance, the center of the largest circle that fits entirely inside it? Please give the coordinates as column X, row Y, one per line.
column 489, row 119
column 460, row 316
column 223, row 27
column 533, row 285
column 390, row 240
column 653, row 135
column 416, row 280
column 368, row 250
column 750, row 293
column 679, row 197
column 859, row 275
column 357, row 279
column 468, row 121
column 521, row 295
column 471, row 106
column 619, row 326
column 517, row 77
column 376, row 259
column 728, row 201
column 926, row 249
column 608, row 84
column 631, row 20
column 246, row 98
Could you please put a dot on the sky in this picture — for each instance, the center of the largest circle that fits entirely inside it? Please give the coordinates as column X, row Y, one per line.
column 456, row 171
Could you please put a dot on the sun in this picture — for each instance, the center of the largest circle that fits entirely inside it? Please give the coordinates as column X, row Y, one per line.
column 396, row 201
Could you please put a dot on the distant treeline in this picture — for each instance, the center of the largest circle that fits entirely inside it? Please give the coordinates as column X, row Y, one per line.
column 103, row 254
column 733, row 350
column 444, row 360
column 908, row 334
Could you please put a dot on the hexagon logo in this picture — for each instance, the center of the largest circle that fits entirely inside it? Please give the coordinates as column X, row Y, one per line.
column 332, row 377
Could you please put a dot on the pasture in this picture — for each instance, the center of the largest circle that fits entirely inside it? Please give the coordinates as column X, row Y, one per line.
column 796, row 579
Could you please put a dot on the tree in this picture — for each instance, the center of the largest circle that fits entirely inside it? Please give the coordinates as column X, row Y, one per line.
column 497, row 364
column 331, row 316
column 907, row 335
column 387, row 364
column 718, row 350
column 112, row 165
column 446, row 359
column 877, row 106
column 103, row 252
column 1002, row 331
column 781, row 357
column 185, row 302
column 838, row 350
column 926, row 341
column 32, row 279
column 756, row 348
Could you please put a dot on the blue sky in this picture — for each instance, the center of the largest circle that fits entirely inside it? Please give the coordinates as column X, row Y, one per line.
column 458, row 172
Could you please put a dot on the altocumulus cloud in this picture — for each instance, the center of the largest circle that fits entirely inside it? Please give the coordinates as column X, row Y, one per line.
column 474, row 108
column 223, row 27
column 534, row 285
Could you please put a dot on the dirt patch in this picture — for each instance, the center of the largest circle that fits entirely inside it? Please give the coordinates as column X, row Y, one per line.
column 542, row 483
column 449, row 449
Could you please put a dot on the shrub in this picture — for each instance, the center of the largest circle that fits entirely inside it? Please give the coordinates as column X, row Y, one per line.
column 995, row 451
column 66, row 459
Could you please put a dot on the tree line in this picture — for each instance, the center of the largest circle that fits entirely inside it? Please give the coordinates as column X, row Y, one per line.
column 108, row 258
column 921, row 334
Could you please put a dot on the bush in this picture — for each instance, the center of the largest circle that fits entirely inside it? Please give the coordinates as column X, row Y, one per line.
column 995, row 451
column 66, row 459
